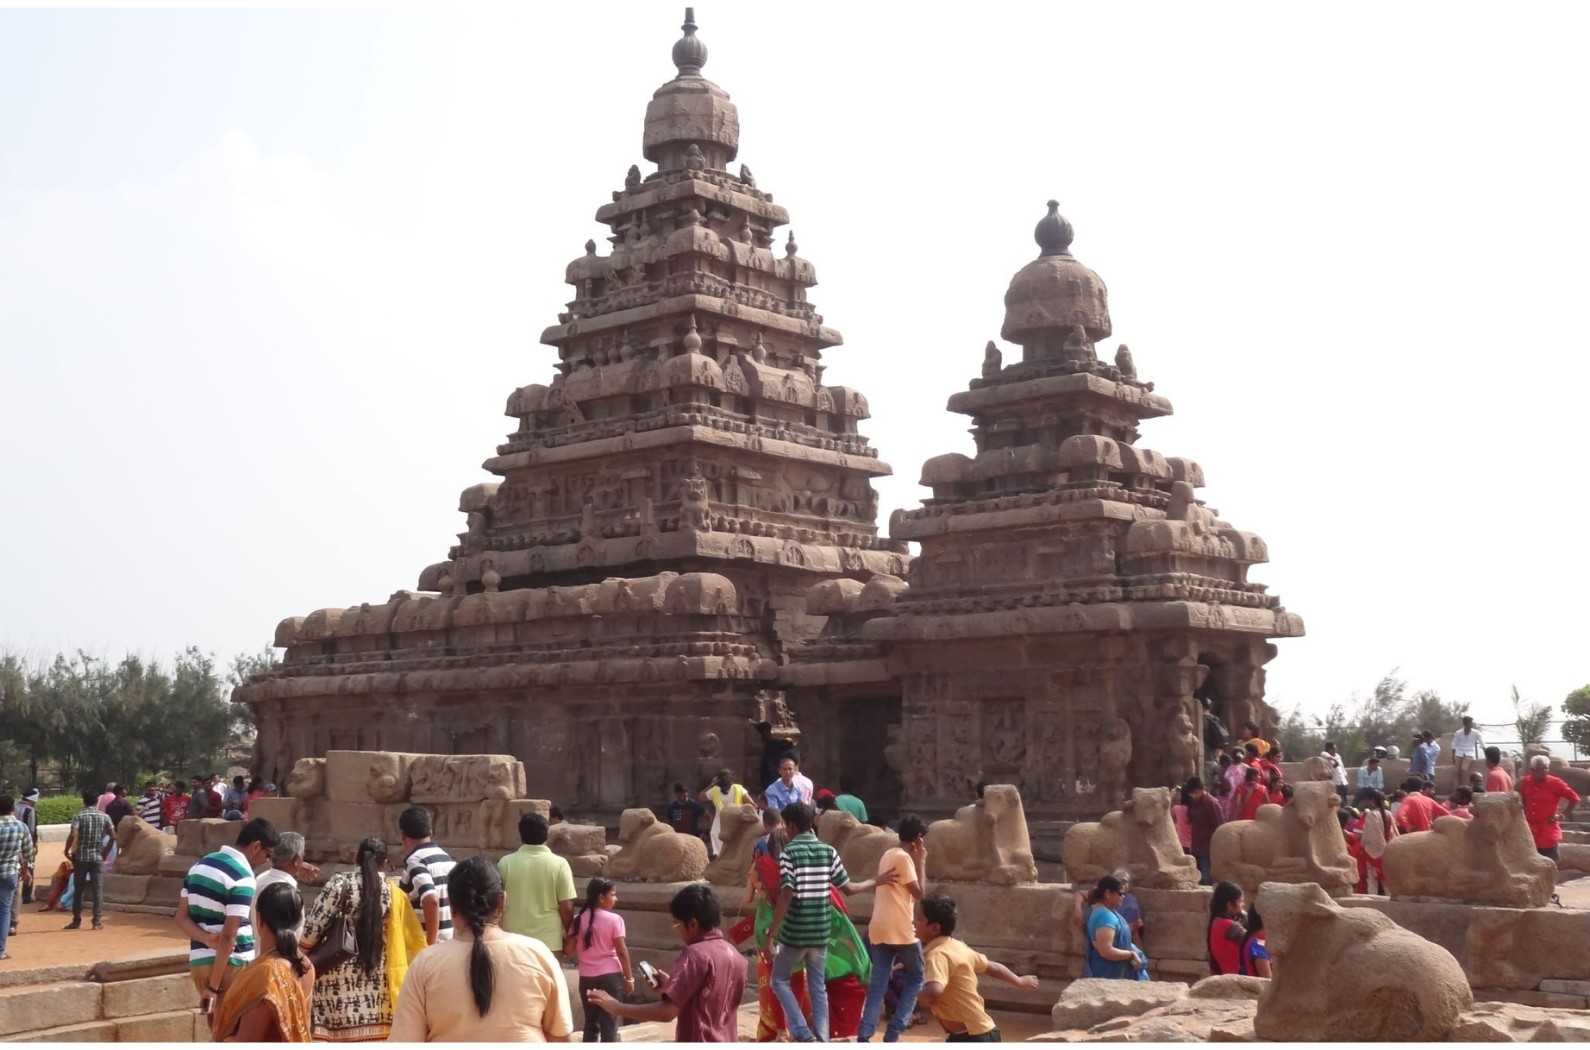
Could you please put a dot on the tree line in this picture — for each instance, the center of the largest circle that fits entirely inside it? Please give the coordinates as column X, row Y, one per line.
column 79, row 721
column 1392, row 713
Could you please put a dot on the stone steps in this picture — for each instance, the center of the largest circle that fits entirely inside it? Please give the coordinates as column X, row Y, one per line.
column 126, row 1002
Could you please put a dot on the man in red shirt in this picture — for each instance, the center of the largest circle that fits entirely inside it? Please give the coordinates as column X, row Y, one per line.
column 1418, row 810
column 1543, row 793
column 1496, row 778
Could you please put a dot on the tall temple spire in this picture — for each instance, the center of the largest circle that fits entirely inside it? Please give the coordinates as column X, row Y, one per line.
column 690, row 54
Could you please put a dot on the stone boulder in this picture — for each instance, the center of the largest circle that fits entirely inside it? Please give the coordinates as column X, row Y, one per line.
column 584, row 846
column 1139, row 836
column 466, row 778
column 984, row 842
column 860, row 845
column 140, row 846
column 1488, row 860
column 738, row 828
column 651, row 851
column 1352, row 973
column 1298, row 843
column 1091, row 1000
column 307, row 779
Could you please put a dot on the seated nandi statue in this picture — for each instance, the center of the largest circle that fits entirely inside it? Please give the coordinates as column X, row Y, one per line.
column 1140, row 837
column 860, row 845
column 984, row 842
column 651, row 851
column 140, row 846
column 738, row 829
column 1298, row 843
column 1352, row 973
column 1488, row 860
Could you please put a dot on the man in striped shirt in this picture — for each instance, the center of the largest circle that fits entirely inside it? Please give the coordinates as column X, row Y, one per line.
column 85, row 846
column 216, row 905
column 149, row 804
column 426, row 867
column 803, row 918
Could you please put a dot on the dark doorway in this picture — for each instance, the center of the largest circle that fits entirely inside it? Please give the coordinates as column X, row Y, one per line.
column 867, row 725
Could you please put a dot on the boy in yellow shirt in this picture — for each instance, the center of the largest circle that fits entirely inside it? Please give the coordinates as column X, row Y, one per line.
column 950, row 968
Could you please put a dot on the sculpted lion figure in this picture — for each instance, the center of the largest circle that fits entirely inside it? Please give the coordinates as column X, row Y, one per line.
column 308, row 778
column 1298, row 843
column 1488, row 860
column 140, row 846
column 1352, row 973
column 860, row 845
column 984, row 842
column 1140, row 836
column 738, row 829
column 651, row 851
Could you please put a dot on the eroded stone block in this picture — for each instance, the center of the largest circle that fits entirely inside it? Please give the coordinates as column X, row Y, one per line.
column 1090, row 1001
column 150, row 995
column 466, row 778
column 379, row 777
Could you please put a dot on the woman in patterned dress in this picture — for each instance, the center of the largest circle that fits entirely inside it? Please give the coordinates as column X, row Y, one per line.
column 353, row 1002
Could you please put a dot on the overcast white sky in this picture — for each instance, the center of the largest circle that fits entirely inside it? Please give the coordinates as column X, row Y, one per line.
column 268, row 277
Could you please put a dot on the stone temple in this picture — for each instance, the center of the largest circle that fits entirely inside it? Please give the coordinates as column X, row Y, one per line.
column 682, row 542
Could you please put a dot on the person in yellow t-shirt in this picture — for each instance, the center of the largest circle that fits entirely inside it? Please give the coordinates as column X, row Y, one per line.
column 950, row 968
column 723, row 791
column 892, row 931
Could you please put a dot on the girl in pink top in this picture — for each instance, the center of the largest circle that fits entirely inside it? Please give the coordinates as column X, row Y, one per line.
column 596, row 939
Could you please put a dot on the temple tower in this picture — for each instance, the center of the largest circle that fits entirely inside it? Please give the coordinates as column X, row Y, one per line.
column 621, row 601
column 1073, row 599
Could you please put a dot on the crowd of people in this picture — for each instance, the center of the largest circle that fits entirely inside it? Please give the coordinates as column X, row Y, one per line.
column 413, row 946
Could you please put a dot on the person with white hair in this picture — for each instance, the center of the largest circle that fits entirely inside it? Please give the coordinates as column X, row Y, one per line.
column 1547, row 800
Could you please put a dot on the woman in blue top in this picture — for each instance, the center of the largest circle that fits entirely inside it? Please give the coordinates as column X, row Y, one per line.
column 1110, row 952
column 1255, row 956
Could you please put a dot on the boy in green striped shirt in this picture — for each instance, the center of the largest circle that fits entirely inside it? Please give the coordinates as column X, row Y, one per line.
column 803, row 918
column 217, row 899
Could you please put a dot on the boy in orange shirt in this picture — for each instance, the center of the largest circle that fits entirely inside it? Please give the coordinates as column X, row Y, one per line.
column 892, row 931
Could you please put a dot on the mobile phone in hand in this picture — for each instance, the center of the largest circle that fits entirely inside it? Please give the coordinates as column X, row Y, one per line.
column 649, row 973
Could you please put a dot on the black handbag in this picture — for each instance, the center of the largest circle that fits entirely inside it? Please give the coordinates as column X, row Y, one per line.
column 336, row 947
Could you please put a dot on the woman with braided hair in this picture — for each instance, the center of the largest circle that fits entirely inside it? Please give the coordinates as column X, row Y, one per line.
column 451, row 991
column 353, row 1000
column 269, row 1001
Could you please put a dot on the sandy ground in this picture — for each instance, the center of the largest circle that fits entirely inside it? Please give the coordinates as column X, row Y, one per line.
column 41, row 941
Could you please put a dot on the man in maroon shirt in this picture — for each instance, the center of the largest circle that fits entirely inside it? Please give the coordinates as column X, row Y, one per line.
column 1542, row 793
column 1203, row 817
column 703, row 991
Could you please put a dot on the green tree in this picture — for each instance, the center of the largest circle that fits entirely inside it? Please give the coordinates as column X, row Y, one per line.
column 1531, row 720
column 1576, row 728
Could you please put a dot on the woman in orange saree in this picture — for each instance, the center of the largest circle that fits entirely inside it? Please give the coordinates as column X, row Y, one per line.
column 269, row 1001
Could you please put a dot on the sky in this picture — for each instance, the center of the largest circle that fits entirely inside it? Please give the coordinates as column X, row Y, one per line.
column 267, row 278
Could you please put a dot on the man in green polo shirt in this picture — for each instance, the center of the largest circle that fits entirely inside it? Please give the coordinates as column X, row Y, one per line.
column 803, row 918
column 539, row 885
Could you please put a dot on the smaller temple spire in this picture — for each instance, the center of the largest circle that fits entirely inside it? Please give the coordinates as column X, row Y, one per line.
column 1053, row 233
column 690, row 54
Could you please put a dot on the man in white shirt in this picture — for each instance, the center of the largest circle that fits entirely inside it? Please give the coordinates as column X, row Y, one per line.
column 1467, row 748
column 1338, row 770
column 287, row 865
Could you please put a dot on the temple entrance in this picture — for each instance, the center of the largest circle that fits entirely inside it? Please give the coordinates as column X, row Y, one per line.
column 867, row 725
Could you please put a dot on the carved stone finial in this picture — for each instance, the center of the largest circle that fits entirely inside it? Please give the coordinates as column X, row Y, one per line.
column 746, row 176
column 633, row 178
column 1053, row 233
column 690, row 54
column 790, row 247
column 590, row 247
column 1123, row 361
column 695, row 160
column 692, row 341
column 747, row 235
column 759, row 349
column 993, row 360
